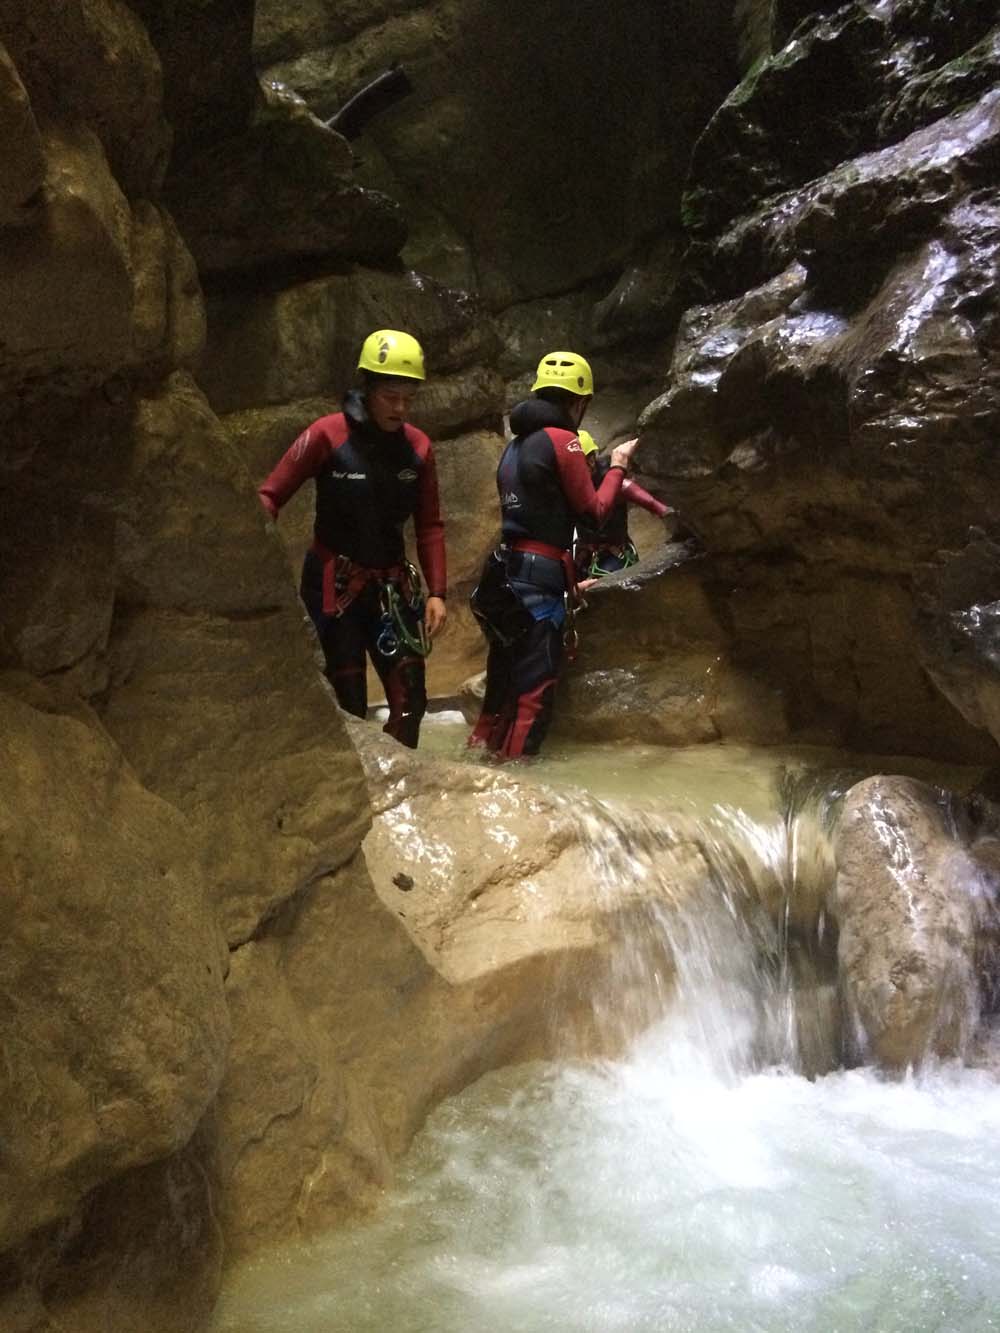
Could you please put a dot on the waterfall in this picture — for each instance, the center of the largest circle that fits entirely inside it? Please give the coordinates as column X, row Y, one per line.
column 716, row 1169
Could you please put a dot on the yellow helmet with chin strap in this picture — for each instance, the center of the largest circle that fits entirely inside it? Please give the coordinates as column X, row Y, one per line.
column 587, row 442
column 564, row 370
column 392, row 352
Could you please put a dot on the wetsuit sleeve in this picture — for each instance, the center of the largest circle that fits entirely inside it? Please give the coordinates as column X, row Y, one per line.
column 429, row 526
column 635, row 495
column 302, row 460
column 577, row 483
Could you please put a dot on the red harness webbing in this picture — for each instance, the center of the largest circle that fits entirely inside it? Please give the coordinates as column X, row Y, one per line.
column 356, row 578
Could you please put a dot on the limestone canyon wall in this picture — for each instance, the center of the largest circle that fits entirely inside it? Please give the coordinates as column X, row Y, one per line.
column 178, row 782
column 209, row 1018
column 830, row 419
column 208, row 1014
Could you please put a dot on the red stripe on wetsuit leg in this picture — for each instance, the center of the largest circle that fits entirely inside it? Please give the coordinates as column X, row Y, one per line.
column 482, row 731
column 531, row 706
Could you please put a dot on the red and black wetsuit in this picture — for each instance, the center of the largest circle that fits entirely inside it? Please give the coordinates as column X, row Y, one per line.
column 545, row 487
column 368, row 483
column 609, row 543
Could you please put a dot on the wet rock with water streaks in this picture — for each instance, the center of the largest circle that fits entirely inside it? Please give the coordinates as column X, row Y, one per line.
column 916, row 889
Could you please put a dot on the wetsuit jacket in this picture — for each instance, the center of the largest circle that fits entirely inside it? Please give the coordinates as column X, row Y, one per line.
column 368, row 483
column 614, row 530
column 544, row 483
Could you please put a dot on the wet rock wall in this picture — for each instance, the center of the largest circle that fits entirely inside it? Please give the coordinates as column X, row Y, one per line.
column 830, row 417
column 176, row 773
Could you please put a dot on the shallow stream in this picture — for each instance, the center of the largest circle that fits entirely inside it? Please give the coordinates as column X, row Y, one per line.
column 699, row 1183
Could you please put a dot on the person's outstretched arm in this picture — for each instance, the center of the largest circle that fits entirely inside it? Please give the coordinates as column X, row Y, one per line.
column 634, row 494
column 302, row 460
column 577, row 482
column 429, row 527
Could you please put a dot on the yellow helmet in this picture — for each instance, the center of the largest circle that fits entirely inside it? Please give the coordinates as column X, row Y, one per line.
column 390, row 352
column 564, row 370
column 587, row 442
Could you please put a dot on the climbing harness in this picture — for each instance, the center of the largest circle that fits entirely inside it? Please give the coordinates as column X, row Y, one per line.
column 501, row 614
column 400, row 593
column 627, row 554
column 394, row 633
column 573, row 602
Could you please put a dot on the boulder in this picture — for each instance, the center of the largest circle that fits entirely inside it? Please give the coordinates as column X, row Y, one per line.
column 67, row 274
column 824, row 450
column 914, row 892
column 488, row 921
column 60, row 461
column 829, row 84
column 848, row 81
column 655, row 664
column 871, row 207
column 281, row 191
column 168, row 313
column 115, row 1024
column 90, row 64
column 271, row 347
column 200, row 635
column 142, row 1252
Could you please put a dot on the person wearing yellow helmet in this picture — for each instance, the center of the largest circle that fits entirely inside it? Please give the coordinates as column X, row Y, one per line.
column 607, row 548
column 528, row 585
column 589, row 447
column 372, row 471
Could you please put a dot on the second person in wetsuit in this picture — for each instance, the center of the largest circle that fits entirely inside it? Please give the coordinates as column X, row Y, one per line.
column 545, row 487
column 373, row 471
column 607, row 548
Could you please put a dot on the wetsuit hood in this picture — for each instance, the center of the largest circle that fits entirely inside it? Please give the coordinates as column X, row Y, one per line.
column 359, row 418
column 535, row 414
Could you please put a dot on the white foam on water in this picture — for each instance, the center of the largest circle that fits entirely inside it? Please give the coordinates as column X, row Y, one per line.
column 698, row 1184
column 661, row 1193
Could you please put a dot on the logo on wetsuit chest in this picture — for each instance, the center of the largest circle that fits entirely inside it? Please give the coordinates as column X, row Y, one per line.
column 407, row 474
column 510, row 500
column 348, row 476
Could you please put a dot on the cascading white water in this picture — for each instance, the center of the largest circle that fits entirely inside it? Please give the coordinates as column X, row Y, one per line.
column 697, row 1183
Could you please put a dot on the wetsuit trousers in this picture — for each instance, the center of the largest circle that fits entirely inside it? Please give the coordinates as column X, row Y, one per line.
column 360, row 632
column 521, row 679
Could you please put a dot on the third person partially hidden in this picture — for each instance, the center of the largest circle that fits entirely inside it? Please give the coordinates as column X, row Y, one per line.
column 528, row 586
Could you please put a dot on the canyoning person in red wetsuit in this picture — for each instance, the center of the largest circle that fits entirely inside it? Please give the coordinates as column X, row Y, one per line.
column 606, row 548
column 373, row 471
column 528, row 586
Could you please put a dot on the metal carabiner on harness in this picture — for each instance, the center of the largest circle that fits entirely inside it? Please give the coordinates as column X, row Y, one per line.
column 572, row 602
column 395, row 633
